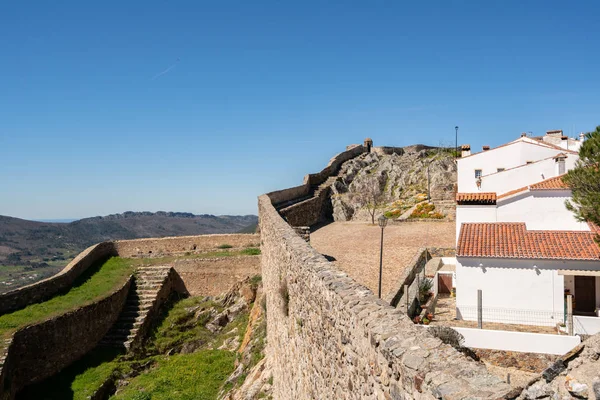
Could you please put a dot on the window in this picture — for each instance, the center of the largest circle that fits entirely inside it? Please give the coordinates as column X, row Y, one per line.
column 529, row 162
column 477, row 173
column 561, row 167
column 499, row 169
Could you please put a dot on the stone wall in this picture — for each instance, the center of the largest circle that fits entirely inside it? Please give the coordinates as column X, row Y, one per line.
column 331, row 338
column 333, row 166
column 45, row 289
column 181, row 244
column 41, row 350
column 308, row 212
column 211, row 277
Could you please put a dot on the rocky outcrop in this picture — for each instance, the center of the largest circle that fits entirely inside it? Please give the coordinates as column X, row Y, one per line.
column 400, row 177
column 574, row 375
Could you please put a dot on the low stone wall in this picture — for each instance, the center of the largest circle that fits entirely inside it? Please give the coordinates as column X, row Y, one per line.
column 211, row 277
column 331, row 338
column 41, row 350
column 47, row 288
column 308, row 212
column 396, row 296
column 181, row 244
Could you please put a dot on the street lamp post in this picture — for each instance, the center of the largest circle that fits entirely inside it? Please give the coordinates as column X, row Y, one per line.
column 382, row 221
column 456, row 142
column 428, row 182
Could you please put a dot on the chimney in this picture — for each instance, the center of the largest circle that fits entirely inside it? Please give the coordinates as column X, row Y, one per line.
column 486, row 148
column 465, row 150
column 559, row 160
column 558, row 133
column 524, row 134
column 582, row 137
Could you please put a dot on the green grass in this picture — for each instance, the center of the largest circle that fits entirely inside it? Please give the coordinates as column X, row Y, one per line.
column 97, row 282
column 184, row 376
column 79, row 380
column 251, row 251
column 224, row 246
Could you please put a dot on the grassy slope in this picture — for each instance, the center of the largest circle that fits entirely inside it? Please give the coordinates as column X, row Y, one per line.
column 97, row 282
column 199, row 375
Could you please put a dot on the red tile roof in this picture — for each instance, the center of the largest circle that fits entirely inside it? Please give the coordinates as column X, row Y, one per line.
column 513, row 240
column 550, row 184
column 476, row 198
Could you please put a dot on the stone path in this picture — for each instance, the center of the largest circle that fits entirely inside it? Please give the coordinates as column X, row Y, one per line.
column 355, row 247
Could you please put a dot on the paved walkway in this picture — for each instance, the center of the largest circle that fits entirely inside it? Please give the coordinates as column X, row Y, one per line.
column 355, row 247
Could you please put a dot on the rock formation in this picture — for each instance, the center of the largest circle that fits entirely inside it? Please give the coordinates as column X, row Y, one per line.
column 401, row 177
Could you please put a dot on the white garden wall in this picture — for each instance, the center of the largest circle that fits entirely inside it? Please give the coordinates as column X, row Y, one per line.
column 586, row 325
column 518, row 341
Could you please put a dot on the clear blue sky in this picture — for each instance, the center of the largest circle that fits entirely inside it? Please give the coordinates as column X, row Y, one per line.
column 202, row 106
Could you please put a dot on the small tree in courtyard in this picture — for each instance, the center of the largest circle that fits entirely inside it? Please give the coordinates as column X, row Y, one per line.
column 584, row 181
column 371, row 197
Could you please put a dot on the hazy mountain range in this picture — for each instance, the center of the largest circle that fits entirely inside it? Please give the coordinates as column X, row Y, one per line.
column 43, row 248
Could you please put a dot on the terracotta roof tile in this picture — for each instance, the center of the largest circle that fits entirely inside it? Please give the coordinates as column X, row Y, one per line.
column 519, row 190
column 476, row 198
column 513, row 240
column 550, row 184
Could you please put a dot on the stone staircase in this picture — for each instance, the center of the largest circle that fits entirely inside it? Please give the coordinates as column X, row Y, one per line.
column 140, row 301
column 4, row 353
column 325, row 185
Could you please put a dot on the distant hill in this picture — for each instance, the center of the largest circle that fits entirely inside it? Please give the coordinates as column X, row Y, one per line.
column 45, row 247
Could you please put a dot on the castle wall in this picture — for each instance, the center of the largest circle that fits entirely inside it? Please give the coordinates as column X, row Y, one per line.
column 329, row 337
column 182, row 244
column 41, row 350
column 334, row 165
column 45, row 289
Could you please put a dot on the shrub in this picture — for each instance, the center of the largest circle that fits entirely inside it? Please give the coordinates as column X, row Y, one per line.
column 251, row 251
column 426, row 210
column 225, row 246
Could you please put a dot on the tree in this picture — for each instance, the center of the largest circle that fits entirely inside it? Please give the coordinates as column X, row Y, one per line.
column 584, row 181
column 371, row 196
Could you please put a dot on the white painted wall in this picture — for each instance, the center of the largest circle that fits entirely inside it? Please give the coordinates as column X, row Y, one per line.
column 509, row 156
column 518, row 341
column 586, row 325
column 513, row 290
column 521, row 176
column 540, row 210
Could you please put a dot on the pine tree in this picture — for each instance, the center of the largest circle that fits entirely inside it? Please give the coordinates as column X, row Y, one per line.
column 584, row 181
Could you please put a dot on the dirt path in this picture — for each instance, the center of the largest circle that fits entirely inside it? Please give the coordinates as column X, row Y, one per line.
column 355, row 247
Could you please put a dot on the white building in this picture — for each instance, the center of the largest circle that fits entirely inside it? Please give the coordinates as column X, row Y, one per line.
column 517, row 242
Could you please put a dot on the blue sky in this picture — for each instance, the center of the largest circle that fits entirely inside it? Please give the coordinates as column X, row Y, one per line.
column 202, row 106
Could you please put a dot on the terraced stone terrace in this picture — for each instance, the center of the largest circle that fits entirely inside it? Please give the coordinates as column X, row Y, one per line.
column 354, row 247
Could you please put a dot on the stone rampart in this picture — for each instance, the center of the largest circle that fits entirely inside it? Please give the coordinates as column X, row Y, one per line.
column 39, row 351
column 308, row 212
column 182, row 244
column 331, row 338
column 333, row 166
column 45, row 289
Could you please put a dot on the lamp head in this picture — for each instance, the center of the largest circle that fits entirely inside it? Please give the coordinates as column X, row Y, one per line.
column 382, row 221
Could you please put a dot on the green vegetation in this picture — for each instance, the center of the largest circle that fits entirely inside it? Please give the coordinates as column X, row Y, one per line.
column 147, row 261
column 97, row 282
column 184, row 376
column 161, row 371
column 251, row 251
column 224, row 246
column 584, row 181
column 426, row 210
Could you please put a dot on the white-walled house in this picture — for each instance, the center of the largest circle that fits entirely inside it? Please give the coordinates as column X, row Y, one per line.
column 524, row 274
column 519, row 163
column 516, row 240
